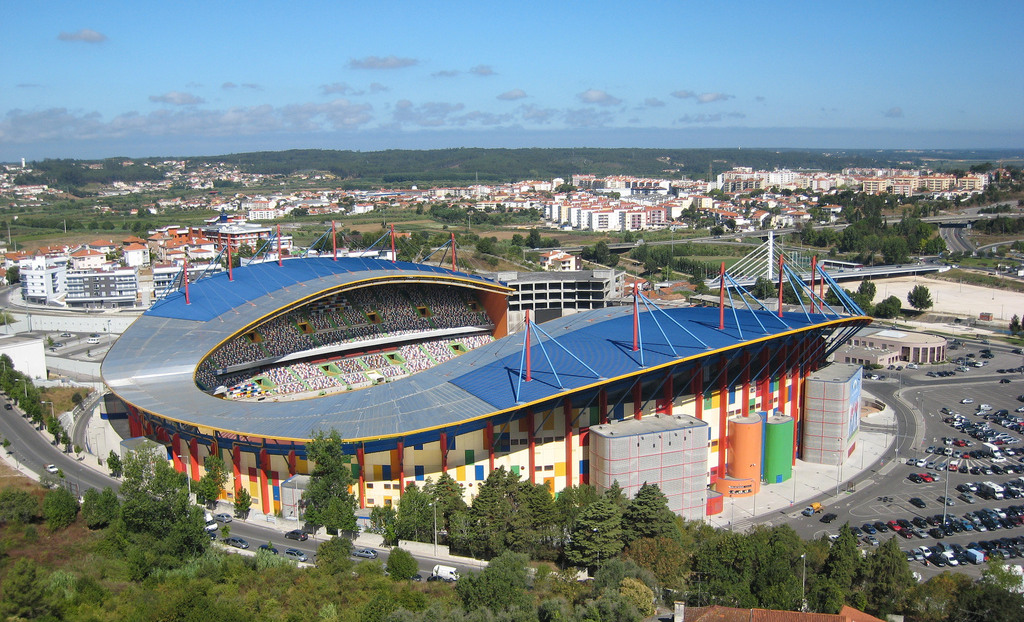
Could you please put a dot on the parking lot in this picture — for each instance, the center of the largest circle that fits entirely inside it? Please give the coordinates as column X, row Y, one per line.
column 959, row 483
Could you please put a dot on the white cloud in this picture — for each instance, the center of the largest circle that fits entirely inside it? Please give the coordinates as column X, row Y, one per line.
column 482, row 70
column 535, row 114
column 445, row 73
column 587, row 117
column 377, row 87
column 707, row 98
column 597, row 96
column 683, row 94
column 60, row 124
column 653, row 102
column 178, row 98
column 427, row 114
column 512, row 95
column 894, row 113
column 228, row 85
column 378, row 62
column 84, row 35
column 335, row 88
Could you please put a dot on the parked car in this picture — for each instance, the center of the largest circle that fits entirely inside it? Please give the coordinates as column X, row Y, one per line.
column 236, row 542
column 297, row 534
column 365, row 553
column 268, row 548
column 917, row 502
column 223, row 517
column 51, row 468
column 295, row 554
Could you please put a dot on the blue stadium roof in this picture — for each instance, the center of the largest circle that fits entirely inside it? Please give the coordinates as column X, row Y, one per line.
column 153, row 364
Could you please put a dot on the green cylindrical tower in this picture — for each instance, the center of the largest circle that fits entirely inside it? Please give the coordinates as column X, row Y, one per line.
column 778, row 449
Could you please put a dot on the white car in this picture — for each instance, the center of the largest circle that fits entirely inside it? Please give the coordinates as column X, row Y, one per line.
column 967, row 400
column 52, row 468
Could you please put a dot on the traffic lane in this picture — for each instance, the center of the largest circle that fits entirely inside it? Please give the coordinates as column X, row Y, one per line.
column 256, row 534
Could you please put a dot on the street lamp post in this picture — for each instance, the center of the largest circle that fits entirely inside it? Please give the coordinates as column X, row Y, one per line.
column 803, row 584
column 51, row 407
column 839, row 456
column 434, row 506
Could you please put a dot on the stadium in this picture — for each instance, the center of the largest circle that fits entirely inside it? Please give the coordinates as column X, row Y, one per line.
column 414, row 368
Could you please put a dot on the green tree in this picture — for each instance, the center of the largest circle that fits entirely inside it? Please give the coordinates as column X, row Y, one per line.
column 210, row 486
column 332, row 556
column 328, row 500
column 382, row 521
column 843, row 563
column 243, row 502
column 155, row 507
column 1015, row 324
column 920, row 298
column 647, row 515
column 867, row 289
column 597, row 536
column 100, row 509
column 998, row 573
column 401, row 565
column 447, row 494
column 888, row 308
column 533, row 239
column 888, row 580
column 987, row 602
column 114, row 464
column 763, row 289
column 24, row 592
column 18, row 506
column 415, row 516
column 639, row 595
column 60, row 508
column 501, row 586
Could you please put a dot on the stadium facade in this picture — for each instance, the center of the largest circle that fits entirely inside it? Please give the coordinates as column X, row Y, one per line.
column 533, row 402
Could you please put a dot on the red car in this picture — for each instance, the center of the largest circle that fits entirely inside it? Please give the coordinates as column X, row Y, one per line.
column 927, row 477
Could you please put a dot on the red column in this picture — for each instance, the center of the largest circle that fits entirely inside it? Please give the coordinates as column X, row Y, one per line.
column 193, row 459
column 361, row 460
column 567, row 416
column 489, row 440
column 532, row 444
column 667, row 394
column 638, row 400
column 443, row 442
column 602, row 405
column 400, row 449
column 697, row 384
column 236, row 467
column 292, row 459
column 745, row 395
column 723, row 413
column 175, row 452
column 264, row 475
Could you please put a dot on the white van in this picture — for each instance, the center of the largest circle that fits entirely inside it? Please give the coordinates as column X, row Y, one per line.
column 445, row 573
column 93, row 340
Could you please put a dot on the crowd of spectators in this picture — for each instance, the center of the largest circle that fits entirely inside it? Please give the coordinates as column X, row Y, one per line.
column 391, row 311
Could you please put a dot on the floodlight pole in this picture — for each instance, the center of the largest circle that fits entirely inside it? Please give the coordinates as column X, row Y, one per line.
column 528, row 378
column 721, row 298
column 334, row 241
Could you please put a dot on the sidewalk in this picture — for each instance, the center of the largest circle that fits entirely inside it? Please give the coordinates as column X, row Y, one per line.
column 826, row 484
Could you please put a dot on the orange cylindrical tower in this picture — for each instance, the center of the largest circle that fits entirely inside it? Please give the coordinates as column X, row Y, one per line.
column 745, row 441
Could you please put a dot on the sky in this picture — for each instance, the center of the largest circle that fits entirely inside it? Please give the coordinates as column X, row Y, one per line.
column 145, row 78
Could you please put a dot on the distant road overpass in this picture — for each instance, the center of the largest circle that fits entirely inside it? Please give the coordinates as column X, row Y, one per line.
column 851, row 274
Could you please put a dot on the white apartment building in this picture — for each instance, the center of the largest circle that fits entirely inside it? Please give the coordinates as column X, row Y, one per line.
column 43, row 280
